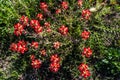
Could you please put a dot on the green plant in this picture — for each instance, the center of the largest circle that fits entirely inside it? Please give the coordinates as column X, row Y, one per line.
column 102, row 25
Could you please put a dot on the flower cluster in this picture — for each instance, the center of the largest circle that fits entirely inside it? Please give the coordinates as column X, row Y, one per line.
column 36, row 64
column 55, row 63
column 83, row 68
column 20, row 47
column 18, row 29
column 58, row 11
column 87, row 52
column 36, row 26
column 64, row 5
column 85, row 35
column 63, row 30
column 24, row 20
column 40, row 16
column 35, row 45
column 43, row 6
column 47, row 26
column 86, row 14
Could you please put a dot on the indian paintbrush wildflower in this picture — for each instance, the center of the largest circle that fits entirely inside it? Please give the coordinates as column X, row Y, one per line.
column 54, row 67
column 43, row 52
column 85, row 35
column 40, row 16
column 43, row 6
column 35, row 45
column 55, row 58
column 55, row 63
column 87, row 52
column 63, row 30
column 86, row 14
column 34, row 23
column 24, row 20
column 64, row 5
column 83, row 68
column 18, row 29
column 36, row 64
column 38, row 29
column 32, row 57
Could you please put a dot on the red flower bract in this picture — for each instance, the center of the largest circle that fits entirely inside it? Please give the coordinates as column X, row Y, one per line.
column 47, row 24
column 34, row 23
column 38, row 29
column 56, row 45
column 58, row 11
column 55, row 63
column 87, row 52
column 18, row 29
column 85, row 34
column 63, row 30
column 83, row 68
column 54, row 67
column 22, row 46
column 55, row 58
column 13, row 47
column 35, row 45
column 36, row 63
column 86, row 14
column 43, row 6
column 85, row 73
column 24, row 20
column 80, row 2
column 43, row 52
column 40, row 16
column 32, row 57
column 64, row 5
column 48, row 30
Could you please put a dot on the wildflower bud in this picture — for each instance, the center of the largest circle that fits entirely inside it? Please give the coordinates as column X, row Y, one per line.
column 93, row 9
